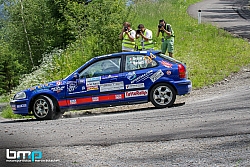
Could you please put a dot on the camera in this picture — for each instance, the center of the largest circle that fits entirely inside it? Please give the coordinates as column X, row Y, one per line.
column 125, row 28
column 160, row 25
column 138, row 31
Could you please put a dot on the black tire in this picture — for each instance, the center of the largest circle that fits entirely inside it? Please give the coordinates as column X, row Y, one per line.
column 162, row 95
column 43, row 108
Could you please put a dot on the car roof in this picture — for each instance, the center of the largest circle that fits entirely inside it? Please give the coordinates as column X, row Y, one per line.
column 129, row 53
column 113, row 55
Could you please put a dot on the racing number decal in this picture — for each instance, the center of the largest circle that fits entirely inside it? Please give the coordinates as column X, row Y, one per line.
column 149, row 58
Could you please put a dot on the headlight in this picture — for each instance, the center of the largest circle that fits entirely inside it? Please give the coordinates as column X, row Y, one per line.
column 20, row 95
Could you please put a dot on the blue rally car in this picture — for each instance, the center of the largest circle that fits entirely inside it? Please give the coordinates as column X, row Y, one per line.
column 109, row 80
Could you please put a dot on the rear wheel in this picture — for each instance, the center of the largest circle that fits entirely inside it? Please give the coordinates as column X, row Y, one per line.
column 162, row 95
column 43, row 108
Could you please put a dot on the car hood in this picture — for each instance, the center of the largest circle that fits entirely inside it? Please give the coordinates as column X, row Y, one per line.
column 49, row 85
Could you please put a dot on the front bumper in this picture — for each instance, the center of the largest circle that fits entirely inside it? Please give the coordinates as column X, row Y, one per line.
column 20, row 106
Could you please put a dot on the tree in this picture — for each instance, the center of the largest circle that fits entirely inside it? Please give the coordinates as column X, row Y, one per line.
column 30, row 30
column 33, row 28
column 10, row 69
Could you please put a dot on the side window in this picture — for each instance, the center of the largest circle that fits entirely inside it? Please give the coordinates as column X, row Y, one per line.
column 102, row 67
column 136, row 62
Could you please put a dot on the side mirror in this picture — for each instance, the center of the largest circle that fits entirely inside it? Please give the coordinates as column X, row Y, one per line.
column 76, row 76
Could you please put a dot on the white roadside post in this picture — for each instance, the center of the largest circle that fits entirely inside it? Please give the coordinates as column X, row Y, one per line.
column 199, row 16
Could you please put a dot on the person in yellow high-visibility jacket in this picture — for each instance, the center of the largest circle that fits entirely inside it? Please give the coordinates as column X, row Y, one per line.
column 144, row 38
column 127, row 36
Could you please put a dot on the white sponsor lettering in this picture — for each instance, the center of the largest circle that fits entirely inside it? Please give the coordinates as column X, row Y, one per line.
column 111, row 86
column 95, row 99
column 72, row 101
column 156, row 75
column 58, row 88
column 92, row 83
column 118, row 96
column 143, row 77
column 93, row 79
column 134, row 86
column 21, row 105
column 71, row 86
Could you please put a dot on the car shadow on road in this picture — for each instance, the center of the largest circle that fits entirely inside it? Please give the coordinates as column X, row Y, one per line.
column 91, row 113
column 19, row 120
column 116, row 111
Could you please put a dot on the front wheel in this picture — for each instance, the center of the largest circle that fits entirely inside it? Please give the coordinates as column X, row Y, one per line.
column 162, row 95
column 43, row 108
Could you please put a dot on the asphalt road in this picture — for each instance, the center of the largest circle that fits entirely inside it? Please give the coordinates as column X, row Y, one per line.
column 219, row 114
column 231, row 15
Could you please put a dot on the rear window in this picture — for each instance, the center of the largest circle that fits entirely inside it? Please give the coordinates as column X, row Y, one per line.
column 168, row 58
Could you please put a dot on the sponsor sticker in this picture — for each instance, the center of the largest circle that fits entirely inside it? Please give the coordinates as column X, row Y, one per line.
column 71, row 86
column 142, row 77
column 156, row 75
column 73, row 101
column 118, row 96
column 169, row 72
column 148, row 59
column 110, row 76
column 58, row 89
column 131, row 75
column 166, row 64
column 136, row 93
column 152, row 56
column 93, row 83
column 59, row 83
column 81, row 81
column 21, row 105
column 134, row 86
column 89, row 88
column 138, row 60
column 93, row 79
column 111, row 86
column 94, row 99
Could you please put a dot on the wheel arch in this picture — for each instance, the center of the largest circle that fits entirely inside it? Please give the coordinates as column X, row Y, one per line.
column 168, row 83
column 54, row 100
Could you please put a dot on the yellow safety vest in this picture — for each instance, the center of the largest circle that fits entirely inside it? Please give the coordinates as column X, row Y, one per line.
column 126, row 41
column 145, row 45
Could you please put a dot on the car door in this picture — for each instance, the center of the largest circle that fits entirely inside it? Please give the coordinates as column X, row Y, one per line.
column 111, row 86
column 97, row 84
column 138, row 70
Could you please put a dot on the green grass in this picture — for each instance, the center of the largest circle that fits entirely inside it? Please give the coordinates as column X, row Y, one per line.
column 8, row 113
column 4, row 99
column 211, row 54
